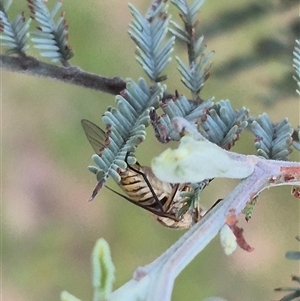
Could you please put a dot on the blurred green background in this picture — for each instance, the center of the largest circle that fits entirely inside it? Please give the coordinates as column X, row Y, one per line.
column 48, row 227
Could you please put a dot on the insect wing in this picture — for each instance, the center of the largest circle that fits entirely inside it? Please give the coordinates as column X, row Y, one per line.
column 94, row 134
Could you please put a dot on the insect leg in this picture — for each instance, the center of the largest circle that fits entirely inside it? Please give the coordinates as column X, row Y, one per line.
column 171, row 198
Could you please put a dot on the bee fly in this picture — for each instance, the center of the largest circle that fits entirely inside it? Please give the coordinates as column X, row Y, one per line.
column 144, row 189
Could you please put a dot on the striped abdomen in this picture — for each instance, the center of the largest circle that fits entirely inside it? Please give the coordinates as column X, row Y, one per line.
column 135, row 186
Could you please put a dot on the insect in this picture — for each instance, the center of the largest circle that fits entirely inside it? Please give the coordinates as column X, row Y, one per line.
column 144, row 189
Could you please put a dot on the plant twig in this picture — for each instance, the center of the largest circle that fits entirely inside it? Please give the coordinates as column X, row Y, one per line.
column 71, row 75
column 156, row 280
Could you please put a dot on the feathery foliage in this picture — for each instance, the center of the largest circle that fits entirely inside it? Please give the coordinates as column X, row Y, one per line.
column 296, row 65
column 222, row 125
column 52, row 37
column 273, row 141
column 197, row 72
column 14, row 34
column 149, row 34
column 178, row 106
column 125, row 129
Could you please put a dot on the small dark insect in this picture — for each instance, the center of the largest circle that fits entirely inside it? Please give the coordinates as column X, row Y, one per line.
column 144, row 189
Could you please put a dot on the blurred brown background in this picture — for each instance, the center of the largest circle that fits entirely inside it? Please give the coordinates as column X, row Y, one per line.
column 48, row 227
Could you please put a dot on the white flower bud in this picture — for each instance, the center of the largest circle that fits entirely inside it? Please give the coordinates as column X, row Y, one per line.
column 197, row 160
column 228, row 240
